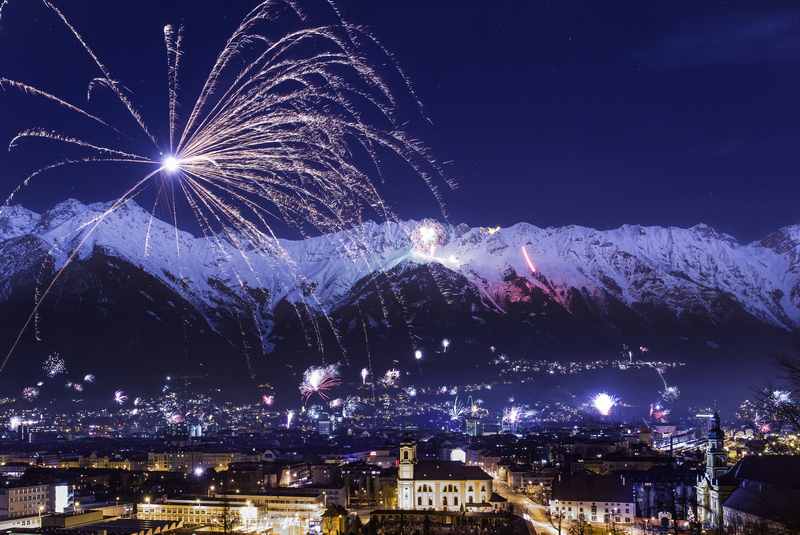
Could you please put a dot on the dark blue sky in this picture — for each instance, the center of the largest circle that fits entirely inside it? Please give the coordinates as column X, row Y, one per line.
column 552, row 112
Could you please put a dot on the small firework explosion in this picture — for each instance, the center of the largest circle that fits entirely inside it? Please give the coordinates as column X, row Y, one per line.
column 512, row 415
column 418, row 354
column 445, row 344
column 456, row 410
column 14, row 422
column 427, row 237
column 30, row 393
column 289, row 418
column 391, row 378
column 268, row 399
column 670, row 393
column 120, row 397
column 77, row 387
column 603, row 403
column 88, row 378
column 350, row 406
column 364, row 374
column 319, row 380
column 659, row 413
column 54, row 365
column 411, row 391
column 781, row 396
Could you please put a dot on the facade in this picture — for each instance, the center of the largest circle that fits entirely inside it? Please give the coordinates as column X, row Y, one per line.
column 214, row 514
column 189, row 461
column 28, row 500
column 595, row 499
column 442, row 485
column 715, row 484
column 283, row 510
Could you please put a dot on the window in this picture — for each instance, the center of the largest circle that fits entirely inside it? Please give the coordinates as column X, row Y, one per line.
column 455, row 500
column 419, row 500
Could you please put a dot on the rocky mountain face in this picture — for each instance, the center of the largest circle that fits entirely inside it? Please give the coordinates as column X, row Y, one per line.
column 138, row 290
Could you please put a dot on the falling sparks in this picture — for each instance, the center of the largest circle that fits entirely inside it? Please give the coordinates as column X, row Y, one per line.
column 364, row 374
column 445, row 344
column 89, row 378
column 289, row 418
column 288, row 129
column 319, row 380
column 603, row 403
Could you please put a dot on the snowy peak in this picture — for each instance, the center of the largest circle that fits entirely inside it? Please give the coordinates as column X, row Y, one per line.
column 696, row 270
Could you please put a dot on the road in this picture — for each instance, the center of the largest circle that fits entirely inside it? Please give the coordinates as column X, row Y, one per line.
column 535, row 514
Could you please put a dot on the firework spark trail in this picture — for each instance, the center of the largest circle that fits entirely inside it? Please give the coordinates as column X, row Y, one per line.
column 173, row 41
column 119, row 202
column 285, row 133
column 106, row 74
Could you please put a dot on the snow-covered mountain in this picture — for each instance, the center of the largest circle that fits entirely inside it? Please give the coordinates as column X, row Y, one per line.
column 543, row 280
column 682, row 270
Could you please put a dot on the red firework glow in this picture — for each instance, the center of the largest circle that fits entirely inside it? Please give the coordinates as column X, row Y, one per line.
column 528, row 259
column 319, row 380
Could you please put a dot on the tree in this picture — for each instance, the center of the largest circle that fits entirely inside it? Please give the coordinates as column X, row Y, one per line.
column 579, row 527
column 555, row 519
column 781, row 403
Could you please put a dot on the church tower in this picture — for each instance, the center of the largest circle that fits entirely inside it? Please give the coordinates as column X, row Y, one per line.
column 405, row 475
column 715, row 453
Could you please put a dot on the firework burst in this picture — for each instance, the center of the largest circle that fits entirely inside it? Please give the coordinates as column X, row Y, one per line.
column 290, row 124
column 391, row 378
column 54, row 365
column 120, row 397
column 30, row 393
column 319, row 380
column 427, row 237
column 603, row 403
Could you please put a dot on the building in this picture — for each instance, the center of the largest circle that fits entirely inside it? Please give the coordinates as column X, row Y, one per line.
column 28, row 500
column 442, row 485
column 715, row 484
column 192, row 461
column 766, row 497
column 593, row 498
column 212, row 513
column 282, row 510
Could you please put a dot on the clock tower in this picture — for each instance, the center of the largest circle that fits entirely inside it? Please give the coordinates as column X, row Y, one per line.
column 405, row 475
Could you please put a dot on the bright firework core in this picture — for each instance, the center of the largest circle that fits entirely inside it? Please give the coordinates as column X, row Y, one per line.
column 170, row 164
column 603, row 403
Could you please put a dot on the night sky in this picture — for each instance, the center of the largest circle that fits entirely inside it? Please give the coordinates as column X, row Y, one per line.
column 553, row 112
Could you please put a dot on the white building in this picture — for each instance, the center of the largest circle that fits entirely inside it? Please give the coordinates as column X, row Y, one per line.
column 29, row 500
column 595, row 499
column 442, row 485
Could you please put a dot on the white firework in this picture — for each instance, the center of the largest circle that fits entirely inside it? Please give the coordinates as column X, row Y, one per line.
column 603, row 403
column 290, row 126
column 54, row 365
column 120, row 397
